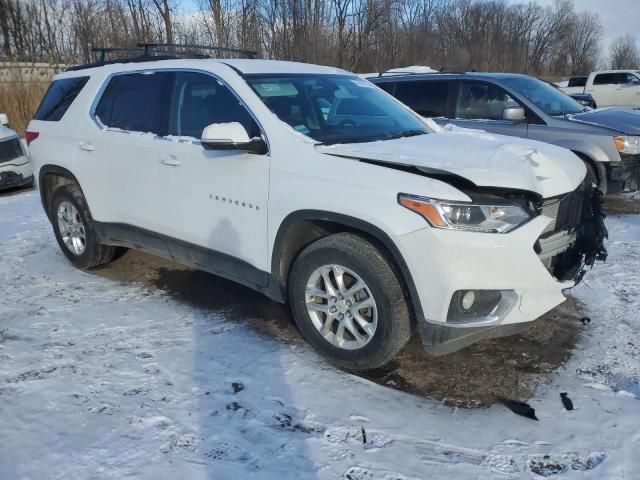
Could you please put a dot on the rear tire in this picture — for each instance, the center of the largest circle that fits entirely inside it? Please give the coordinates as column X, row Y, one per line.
column 371, row 321
column 75, row 230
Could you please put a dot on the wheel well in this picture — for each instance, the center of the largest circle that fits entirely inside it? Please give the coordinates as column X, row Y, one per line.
column 295, row 236
column 598, row 168
column 49, row 182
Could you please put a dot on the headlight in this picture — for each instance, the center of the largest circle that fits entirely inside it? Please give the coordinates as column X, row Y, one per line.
column 473, row 217
column 630, row 145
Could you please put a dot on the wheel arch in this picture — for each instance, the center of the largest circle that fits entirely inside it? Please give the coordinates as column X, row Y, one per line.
column 301, row 228
column 599, row 168
column 51, row 177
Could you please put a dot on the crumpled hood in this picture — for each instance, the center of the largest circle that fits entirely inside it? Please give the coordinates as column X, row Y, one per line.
column 485, row 159
column 622, row 119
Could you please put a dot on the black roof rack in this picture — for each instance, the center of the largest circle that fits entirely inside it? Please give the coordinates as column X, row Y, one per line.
column 172, row 47
column 158, row 51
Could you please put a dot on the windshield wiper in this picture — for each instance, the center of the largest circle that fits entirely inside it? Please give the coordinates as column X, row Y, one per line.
column 405, row 133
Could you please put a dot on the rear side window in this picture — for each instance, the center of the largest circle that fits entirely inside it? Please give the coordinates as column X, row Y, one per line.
column 428, row 98
column 605, row 79
column 577, row 81
column 135, row 102
column 59, row 97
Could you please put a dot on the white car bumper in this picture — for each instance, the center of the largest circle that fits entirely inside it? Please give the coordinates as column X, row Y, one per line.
column 16, row 173
column 443, row 262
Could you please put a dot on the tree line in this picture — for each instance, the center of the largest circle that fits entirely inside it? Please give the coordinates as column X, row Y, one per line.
column 359, row 35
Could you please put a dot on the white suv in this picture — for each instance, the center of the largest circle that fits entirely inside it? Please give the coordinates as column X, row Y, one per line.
column 316, row 188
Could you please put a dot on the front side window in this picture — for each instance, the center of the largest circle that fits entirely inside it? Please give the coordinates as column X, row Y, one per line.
column 630, row 79
column 198, row 100
column 428, row 98
column 335, row 108
column 59, row 97
column 135, row 102
column 482, row 101
column 547, row 98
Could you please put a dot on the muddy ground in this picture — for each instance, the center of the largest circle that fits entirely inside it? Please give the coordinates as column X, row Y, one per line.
column 508, row 367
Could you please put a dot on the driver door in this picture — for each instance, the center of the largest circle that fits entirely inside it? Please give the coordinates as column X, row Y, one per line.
column 215, row 199
column 480, row 105
column 628, row 90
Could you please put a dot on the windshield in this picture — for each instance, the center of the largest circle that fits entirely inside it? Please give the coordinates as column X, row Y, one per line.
column 335, row 108
column 549, row 99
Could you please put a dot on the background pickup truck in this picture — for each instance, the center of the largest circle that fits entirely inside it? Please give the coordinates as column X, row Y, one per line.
column 608, row 87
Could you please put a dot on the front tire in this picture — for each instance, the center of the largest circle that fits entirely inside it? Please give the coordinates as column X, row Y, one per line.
column 75, row 230
column 348, row 302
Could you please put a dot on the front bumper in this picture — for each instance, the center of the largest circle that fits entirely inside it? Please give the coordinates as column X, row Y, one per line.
column 16, row 173
column 444, row 261
column 523, row 272
column 624, row 175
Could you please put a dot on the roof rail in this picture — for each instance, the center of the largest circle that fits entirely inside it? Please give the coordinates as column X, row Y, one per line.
column 148, row 52
column 174, row 46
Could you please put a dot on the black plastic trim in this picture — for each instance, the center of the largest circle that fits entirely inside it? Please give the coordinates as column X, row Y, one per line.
column 196, row 256
column 55, row 169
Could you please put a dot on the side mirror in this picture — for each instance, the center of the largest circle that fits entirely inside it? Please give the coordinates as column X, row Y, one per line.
column 514, row 114
column 4, row 120
column 231, row 136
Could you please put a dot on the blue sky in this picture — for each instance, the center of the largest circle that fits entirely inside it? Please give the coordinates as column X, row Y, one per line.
column 617, row 16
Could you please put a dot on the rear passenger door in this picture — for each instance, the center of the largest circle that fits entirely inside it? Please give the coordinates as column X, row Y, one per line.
column 117, row 152
column 480, row 105
column 628, row 90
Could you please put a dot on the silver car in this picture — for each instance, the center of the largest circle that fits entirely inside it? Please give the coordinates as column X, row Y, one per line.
column 607, row 139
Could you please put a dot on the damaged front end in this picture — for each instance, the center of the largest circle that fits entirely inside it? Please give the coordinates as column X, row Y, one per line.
column 574, row 239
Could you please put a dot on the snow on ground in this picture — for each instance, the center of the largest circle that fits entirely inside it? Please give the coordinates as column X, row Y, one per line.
column 102, row 379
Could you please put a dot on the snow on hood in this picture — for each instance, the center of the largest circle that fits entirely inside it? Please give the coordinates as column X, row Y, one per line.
column 6, row 133
column 622, row 119
column 486, row 160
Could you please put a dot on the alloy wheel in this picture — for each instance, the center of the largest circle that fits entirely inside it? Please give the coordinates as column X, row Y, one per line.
column 341, row 307
column 71, row 228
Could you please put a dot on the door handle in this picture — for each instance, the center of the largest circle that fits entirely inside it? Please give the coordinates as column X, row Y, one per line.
column 87, row 147
column 171, row 161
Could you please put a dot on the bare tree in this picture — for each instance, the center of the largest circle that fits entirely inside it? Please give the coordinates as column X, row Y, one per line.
column 623, row 53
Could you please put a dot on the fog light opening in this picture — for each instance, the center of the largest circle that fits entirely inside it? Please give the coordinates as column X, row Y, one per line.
column 468, row 299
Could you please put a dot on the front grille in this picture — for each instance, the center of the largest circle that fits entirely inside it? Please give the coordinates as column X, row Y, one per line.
column 555, row 247
column 10, row 150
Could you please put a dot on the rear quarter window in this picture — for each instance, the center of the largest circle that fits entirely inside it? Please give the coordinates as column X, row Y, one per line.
column 59, row 97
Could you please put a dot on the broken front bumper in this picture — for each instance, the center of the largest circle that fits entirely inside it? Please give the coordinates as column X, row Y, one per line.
column 519, row 275
column 444, row 262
